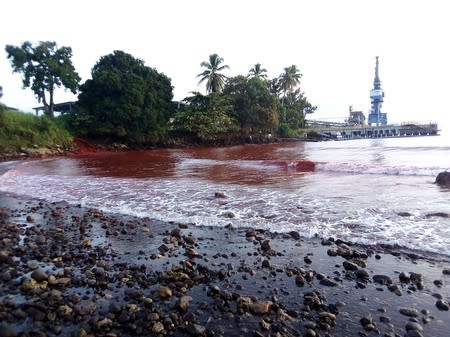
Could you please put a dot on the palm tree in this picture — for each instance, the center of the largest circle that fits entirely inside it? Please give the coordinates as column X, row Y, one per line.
column 290, row 79
column 215, row 80
column 257, row 71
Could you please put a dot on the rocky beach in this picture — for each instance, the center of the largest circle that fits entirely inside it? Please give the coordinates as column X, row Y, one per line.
column 73, row 271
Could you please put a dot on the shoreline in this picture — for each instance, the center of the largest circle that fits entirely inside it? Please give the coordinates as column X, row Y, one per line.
column 73, row 271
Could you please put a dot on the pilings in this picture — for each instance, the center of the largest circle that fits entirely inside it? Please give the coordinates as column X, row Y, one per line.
column 384, row 131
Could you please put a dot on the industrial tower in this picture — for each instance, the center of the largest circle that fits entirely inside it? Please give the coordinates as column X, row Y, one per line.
column 376, row 99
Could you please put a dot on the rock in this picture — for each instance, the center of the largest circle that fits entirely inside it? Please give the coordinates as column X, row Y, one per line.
column 328, row 282
column 220, row 195
column 300, row 280
column 85, row 307
column 442, row 305
column 64, row 310
column 366, row 320
column 414, row 326
column 446, row 271
column 295, row 235
column 30, row 284
column 410, row 312
column 189, row 251
column 413, row 333
column 33, row 264
column 266, row 264
column 64, row 281
column 443, row 179
column 266, row 248
column 264, row 325
column 30, row 218
column 362, row 274
column 350, row 265
column 404, row 277
column 164, row 292
column 228, row 214
column 382, row 279
column 260, row 307
column 157, row 327
column 183, row 303
column 196, row 330
column 104, row 323
column 39, row 275
column 395, row 289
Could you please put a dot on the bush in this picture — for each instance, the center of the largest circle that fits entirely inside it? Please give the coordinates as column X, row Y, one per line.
column 22, row 130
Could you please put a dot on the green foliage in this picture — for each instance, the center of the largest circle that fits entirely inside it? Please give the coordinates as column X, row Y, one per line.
column 205, row 117
column 296, row 107
column 254, row 108
column 214, row 79
column 22, row 130
column 45, row 68
column 124, row 99
column 289, row 79
column 257, row 71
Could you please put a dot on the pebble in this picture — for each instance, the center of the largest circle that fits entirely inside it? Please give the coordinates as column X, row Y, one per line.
column 442, row 305
column 410, row 312
column 260, row 307
column 164, row 292
column 382, row 279
column 413, row 326
column 350, row 266
column 328, row 282
column 157, row 327
column 39, row 275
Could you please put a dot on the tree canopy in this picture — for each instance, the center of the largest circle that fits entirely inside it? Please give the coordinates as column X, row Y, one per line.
column 45, row 67
column 257, row 71
column 214, row 79
column 205, row 117
column 124, row 99
column 253, row 105
column 290, row 79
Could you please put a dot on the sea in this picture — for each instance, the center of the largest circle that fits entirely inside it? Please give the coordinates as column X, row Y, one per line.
column 368, row 191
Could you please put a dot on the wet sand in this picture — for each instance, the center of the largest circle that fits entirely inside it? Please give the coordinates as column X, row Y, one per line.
column 72, row 271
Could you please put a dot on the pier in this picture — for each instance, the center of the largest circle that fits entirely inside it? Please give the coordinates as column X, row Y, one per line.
column 406, row 129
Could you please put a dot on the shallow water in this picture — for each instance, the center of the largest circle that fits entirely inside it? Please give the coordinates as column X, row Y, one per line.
column 368, row 191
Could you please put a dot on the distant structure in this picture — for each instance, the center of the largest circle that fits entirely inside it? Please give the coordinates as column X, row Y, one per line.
column 355, row 117
column 376, row 117
column 62, row 108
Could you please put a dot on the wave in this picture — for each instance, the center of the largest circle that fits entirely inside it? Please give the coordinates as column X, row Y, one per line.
column 356, row 168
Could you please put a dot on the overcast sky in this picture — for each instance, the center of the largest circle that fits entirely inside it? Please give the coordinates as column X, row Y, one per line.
column 334, row 44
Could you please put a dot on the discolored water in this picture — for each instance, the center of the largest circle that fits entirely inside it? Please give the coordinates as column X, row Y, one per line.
column 367, row 191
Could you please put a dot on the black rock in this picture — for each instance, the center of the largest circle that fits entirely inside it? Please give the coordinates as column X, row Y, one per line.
column 443, row 179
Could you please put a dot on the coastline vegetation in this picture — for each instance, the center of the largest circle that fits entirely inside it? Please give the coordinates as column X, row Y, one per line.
column 21, row 131
column 128, row 102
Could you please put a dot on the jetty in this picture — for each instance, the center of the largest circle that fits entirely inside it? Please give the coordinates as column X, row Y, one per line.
column 355, row 126
column 345, row 132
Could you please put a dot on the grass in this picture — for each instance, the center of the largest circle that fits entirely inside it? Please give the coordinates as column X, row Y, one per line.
column 20, row 130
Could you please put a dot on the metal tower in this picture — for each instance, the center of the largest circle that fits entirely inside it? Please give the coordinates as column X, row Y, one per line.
column 376, row 99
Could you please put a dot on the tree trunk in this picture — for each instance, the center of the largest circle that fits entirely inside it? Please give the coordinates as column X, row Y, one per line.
column 52, row 104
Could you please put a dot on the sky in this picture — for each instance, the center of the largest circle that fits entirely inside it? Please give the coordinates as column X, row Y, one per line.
column 333, row 43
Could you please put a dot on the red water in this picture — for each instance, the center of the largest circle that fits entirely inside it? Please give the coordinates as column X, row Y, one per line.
column 244, row 163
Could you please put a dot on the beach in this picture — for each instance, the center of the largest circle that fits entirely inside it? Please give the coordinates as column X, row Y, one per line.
column 70, row 270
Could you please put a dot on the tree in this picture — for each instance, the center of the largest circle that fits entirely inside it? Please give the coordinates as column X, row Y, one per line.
column 1, row 91
column 254, row 107
column 257, row 71
column 290, row 79
column 45, row 67
column 296, row 108
column 214, row 79
column 205, row 117
column 124, row 99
